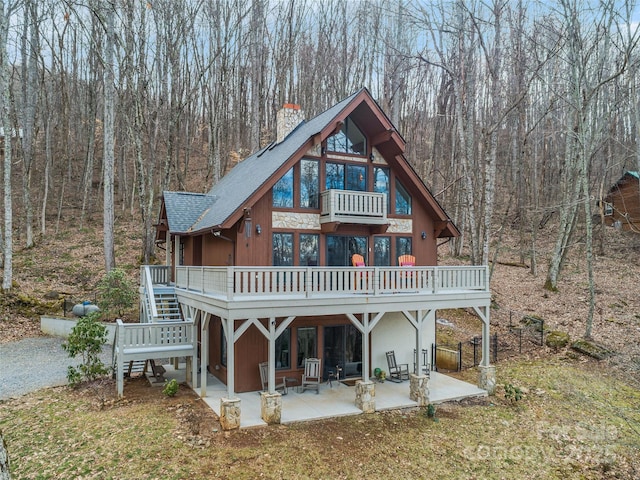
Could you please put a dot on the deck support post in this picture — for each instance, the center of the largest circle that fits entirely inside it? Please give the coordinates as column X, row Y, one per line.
column 419, row 389
column 366, row 396
column 271, row 407
column 230, row 413
column 487, row 378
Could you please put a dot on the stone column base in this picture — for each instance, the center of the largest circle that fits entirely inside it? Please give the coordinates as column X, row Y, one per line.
column 230, row 413
column 419, row 389
column 271, row 407
column 366, row 396
column 487, row 378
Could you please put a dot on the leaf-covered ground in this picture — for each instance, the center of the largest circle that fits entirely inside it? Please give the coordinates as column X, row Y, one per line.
column 574, row 421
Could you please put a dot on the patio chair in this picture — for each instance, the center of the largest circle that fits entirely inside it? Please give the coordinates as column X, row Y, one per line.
column 397, row 372
column 426, row 370
column 407, row 261
column 312, row 375
column 357, row 260
column 281, row 383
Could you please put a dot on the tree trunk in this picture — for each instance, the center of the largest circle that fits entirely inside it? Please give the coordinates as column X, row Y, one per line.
column 5, row 473
column 108, row 160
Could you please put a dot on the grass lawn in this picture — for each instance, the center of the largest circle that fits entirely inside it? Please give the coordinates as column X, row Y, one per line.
column 574, row 421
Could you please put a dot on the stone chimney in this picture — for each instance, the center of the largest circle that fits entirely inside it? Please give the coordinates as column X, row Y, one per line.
column 287, row 119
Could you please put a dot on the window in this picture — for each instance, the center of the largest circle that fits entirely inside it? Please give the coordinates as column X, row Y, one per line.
column 309, row 249
column 309, row 184
column 403, row 246
column 357, row 178
column 283, row 352
column 382, row 251
column 403, row 200
column 334, row 173
column 381, row 181
column 348, row 140
column 282, row 249
column 346, row 177
column 307, row 344
column 340, row 249
column 608, row 209
column 283, row 191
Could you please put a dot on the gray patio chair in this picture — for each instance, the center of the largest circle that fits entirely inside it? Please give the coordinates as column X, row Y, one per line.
column 281, row 383
column 312, row 374
column 426, row 369
column 397, row 373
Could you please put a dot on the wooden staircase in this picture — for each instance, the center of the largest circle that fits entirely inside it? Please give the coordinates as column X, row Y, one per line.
column 167, row 304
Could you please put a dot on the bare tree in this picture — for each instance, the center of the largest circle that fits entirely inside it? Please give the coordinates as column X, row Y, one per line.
column 108, row 12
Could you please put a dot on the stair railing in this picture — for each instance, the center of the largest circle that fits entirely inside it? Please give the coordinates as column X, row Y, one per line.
column 149, row 300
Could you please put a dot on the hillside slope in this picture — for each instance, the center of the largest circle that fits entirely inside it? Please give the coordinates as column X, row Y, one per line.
column 69, row 265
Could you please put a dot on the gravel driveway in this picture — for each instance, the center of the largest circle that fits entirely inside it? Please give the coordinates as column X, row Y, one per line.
column 34, row 363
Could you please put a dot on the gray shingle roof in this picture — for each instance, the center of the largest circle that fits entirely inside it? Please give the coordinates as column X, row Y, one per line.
column 202, row 212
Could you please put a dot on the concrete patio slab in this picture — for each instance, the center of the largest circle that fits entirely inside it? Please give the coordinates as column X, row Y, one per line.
column 332, row 401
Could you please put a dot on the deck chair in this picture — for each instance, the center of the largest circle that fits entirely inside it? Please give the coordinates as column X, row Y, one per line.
column 397, row 373
column 281, row 384
column 407, row 261
column 357, row 260
column 312, row 375
column 426, row 370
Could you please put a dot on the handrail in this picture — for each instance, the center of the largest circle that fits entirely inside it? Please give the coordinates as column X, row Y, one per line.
column 148, row 289
column 241, row 281
column 165, row 334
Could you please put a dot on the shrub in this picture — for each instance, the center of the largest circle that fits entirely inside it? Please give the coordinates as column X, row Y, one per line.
column 117, row 293
column 511, row 393
column 86, row 339
column 170, row 388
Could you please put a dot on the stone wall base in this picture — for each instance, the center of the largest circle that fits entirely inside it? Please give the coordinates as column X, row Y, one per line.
column 487, row 378
column 366, row 396
column 271, row 407
column 419, row 389
column 230, row 413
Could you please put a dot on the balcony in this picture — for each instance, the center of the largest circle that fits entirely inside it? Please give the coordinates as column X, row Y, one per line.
column 346, row 206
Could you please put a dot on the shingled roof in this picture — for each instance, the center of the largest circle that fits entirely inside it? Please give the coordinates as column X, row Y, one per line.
column 189, row 213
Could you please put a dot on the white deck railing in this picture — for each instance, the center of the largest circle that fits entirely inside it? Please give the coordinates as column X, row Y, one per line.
column 234, row 282
column 353, row 207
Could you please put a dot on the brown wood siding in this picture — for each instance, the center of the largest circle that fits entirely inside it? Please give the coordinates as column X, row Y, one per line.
column 217, row 250
column 252, row 348
column 626, row 204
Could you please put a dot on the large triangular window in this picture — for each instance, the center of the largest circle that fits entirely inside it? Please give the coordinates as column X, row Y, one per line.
column 348, row 140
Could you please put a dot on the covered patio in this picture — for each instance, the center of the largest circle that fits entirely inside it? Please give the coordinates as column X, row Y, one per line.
column 335, row 400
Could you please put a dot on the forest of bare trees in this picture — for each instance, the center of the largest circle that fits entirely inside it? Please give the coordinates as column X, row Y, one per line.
column 518, row 111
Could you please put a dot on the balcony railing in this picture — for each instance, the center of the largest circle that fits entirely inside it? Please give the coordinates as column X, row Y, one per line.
column 347, row 206
column 238, row 282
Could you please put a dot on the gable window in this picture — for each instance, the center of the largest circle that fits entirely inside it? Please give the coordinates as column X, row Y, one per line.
column 346, row 177
column 403, row 246
column 348, row 140
column 283, row 191
column 283, row 350
column 309, row 249
column 382, row 251
column 309, row 184
column 282, row 249
column 403, row 200
column 381, row 181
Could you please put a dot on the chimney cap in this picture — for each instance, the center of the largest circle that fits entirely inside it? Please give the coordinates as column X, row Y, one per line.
column 291, row 106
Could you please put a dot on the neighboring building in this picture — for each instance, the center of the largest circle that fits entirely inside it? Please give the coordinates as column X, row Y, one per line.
column 262, row 263
column 622, row 203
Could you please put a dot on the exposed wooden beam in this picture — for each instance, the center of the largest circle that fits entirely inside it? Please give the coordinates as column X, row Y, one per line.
column 381, row 137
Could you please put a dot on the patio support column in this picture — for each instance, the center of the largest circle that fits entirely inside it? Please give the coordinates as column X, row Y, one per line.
column 272, row 358
column 271, row 407
column 204, row 352
column 487, row 372
column 231, row 357
column 366, row 349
